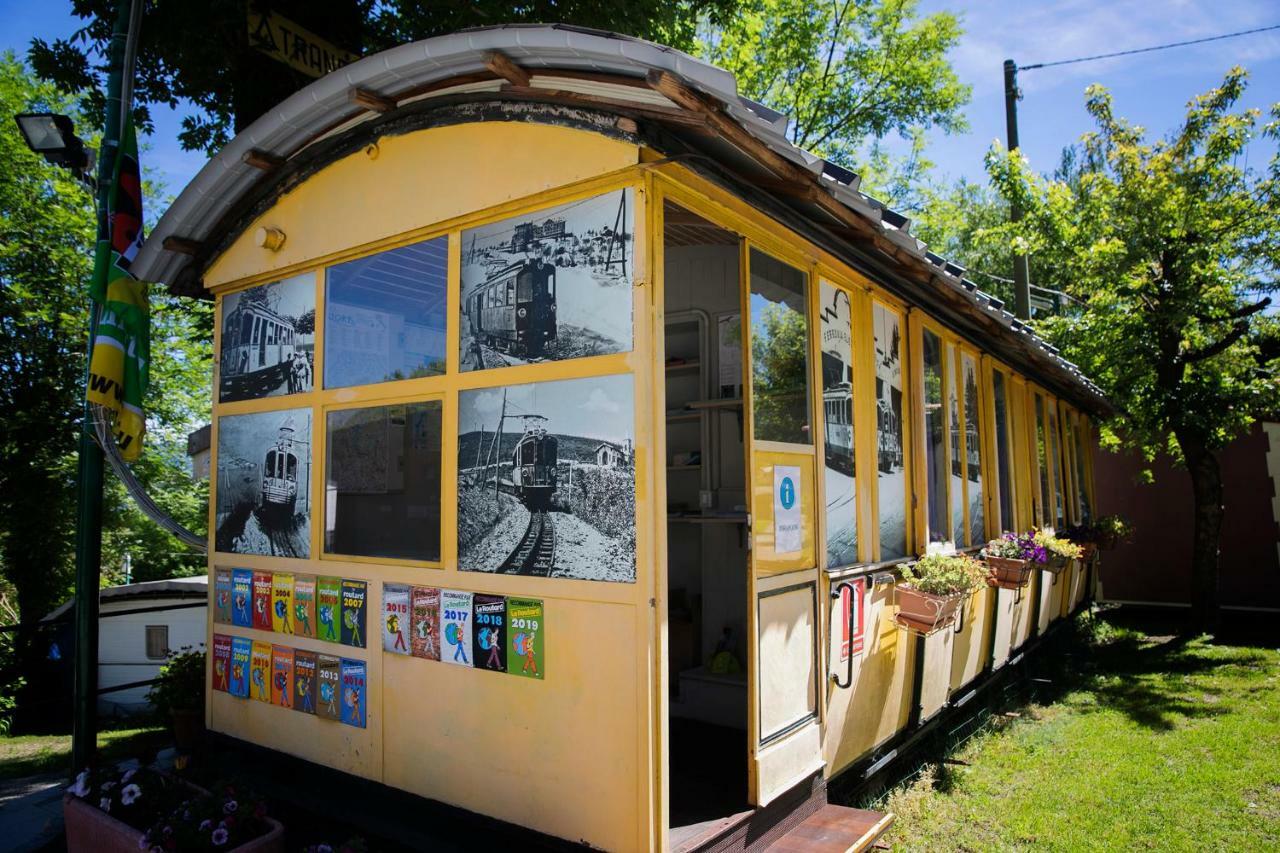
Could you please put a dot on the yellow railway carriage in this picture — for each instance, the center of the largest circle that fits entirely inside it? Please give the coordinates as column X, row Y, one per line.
column 691, row 628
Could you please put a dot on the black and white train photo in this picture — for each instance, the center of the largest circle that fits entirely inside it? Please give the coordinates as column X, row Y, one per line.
column 546, row 479
column 886, row 327
column 549, row 286
column 836, row 319
column 264, row 471
column 268, row 340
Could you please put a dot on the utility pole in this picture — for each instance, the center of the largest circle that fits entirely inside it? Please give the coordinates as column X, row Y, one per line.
column 1021, row 272
column 84, row 739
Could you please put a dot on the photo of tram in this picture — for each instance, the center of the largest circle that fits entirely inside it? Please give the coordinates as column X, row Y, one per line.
column 533, row 463
column 267, row 340
column 264, row 470
column 837, row 402
column 280, row 473
column 515, row 310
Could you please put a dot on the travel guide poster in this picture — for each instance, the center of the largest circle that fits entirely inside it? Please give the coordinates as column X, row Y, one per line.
column 489, row 636
column 241, row 655
column 353, row 692
column 525, row 627
column 262, row 601
column 282, row 676
column 260, row 672
column 222, row 596
column 395, row 618
column 455, row 626
column 304, row 681
column 304, row 605
column 329, row 609
column 222, row 662
column 328, row 686
column 242, row 598
column 355, row 604
column 282, row 603
column 426, row 622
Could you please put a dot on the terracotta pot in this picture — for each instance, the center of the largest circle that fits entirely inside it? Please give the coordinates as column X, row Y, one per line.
column 188, row 729
column 1007, row 573
column 926, row 612
column 92, row 830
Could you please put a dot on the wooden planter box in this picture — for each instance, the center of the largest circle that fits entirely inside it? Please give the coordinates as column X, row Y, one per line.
column 1007, row 573
column 91, row 830
column 926, row 612
column 1056, row 565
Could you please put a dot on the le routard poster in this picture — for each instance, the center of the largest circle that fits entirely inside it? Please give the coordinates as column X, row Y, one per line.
column 489, row 633
column 222, row 663
column 260, row 672
column 355, row 605
column 222, row 596
column 329, row 608
column 282, row 603
column 304, row 681
column 353, row 692
column 242, row 598
column 282, row 676
column 525, row 630
column 328, row 687
column 304, row 605
column 241, row 658
column 455, row 625
column 395, row 618
column 426, row 623
column 262, row 601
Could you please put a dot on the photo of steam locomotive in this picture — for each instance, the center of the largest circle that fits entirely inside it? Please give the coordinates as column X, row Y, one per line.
column 533, row 464
column 514, row 311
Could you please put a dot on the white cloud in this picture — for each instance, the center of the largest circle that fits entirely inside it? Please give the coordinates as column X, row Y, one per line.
column 598, row 401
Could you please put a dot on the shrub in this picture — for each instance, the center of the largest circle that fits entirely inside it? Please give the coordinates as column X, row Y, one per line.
column 1017, row 546
column 181, row 683
column 945, row 574
column 1057, row 547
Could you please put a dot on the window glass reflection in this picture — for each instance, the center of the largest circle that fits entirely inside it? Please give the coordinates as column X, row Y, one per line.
column 935, row 435
column 779, row 351
column 891, row 474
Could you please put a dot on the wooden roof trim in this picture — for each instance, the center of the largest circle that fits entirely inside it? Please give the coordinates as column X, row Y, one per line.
column 502, row 66
column 372, row 100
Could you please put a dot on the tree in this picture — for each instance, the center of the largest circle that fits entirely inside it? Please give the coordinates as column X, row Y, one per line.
column 1172, row 247
column 205, row 55
column 846, row 73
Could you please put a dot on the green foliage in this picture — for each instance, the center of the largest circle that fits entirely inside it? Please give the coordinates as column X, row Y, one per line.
column 945, row 574
column 231, row 83
column 846, row 74
column 181, row 683
column 779, row 374
column 1063, row 549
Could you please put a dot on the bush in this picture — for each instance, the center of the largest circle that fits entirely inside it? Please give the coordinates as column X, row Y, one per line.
column 181, row 683
column 1056, row 547
column 945, row 574
column 1017, row 546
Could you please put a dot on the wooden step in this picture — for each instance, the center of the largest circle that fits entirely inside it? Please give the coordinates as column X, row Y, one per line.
column 834, row 829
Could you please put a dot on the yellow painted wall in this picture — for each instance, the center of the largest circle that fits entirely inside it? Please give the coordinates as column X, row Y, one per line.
column 969, row 651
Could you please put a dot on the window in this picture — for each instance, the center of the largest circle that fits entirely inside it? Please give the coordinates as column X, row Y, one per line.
column 1079, row 431
column 779, row 351
column 1055, row 453
column 1042, row 458
column 382, row 481
column 957, row 448
column 935, row 451
column 157, row 642
column 385, row 316
column 973, row 452
column 837, row 397
column 1004, row 458
column 891, row 471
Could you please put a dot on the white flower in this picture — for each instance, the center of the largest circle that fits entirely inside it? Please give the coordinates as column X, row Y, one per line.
column 219, row 837
column 81, row 787
column 128, row 774
column 206, row 825
column 105, row 804
column 230, row 806
column 130, row 794
column 107, row 786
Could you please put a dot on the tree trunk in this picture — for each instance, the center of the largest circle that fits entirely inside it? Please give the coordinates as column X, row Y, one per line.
column 1206, row 486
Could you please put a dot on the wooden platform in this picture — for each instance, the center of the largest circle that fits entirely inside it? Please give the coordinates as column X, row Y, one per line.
column 834, row 829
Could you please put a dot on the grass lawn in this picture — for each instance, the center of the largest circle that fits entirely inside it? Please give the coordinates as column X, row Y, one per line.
column 1150, row 743
column 27, row 755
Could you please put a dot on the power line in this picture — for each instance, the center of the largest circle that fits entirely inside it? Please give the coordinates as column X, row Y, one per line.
column 1149, row 49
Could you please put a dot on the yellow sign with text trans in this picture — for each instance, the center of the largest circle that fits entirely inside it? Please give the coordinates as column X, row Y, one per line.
column 296, row 46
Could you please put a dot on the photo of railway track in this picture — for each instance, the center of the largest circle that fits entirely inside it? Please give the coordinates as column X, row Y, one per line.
column 264, row 472
column 546, row 480
column 548, row 286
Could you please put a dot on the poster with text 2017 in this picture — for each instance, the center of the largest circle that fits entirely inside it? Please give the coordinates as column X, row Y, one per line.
column 526, row 630
column 455, row 626
column 353, row 692
column 395, row 618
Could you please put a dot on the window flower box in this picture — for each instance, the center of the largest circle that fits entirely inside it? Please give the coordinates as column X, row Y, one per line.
column 933, row 589
column 926, row 612
column 1009, row 573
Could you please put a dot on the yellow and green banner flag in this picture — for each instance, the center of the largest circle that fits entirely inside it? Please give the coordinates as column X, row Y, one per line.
column 122, row 344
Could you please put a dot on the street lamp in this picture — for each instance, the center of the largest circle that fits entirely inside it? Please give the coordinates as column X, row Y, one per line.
column 54, row 138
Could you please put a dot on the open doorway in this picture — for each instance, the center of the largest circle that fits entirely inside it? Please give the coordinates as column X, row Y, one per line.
column 707, row 567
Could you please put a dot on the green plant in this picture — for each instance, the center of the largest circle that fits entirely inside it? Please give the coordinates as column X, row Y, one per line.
column 181, row 683
column 1062, row 548
column 945, row 574
column 1113, row 527
column 1016, row 546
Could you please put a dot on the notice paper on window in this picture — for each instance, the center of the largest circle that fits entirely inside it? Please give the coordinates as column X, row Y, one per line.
column 786, row 509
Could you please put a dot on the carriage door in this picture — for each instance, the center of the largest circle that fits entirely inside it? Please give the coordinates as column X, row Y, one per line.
column 785, row 736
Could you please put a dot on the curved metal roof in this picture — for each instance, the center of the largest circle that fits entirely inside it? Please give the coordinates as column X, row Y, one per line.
column 599, row 70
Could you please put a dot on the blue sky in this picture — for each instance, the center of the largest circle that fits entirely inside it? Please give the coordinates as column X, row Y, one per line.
column 1150, row 89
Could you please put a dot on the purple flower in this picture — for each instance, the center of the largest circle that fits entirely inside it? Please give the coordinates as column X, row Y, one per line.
column 130, row 794
column 81, row 787
column 219, row 837
column 105, row 804
column 206, row 825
